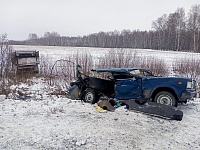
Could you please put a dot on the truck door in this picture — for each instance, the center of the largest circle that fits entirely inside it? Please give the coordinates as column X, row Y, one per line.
column 128, row 88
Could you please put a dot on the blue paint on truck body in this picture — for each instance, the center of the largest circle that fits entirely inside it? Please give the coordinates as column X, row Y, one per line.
column 133, row 83
column 141, row 83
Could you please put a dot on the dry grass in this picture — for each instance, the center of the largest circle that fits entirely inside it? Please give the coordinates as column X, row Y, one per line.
column 188, row 67
column 120, row 58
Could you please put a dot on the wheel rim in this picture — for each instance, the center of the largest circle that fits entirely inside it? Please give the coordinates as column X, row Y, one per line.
column 89, row 97
column 165, row 99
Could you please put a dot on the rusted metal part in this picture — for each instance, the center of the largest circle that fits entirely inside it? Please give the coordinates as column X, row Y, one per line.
column 106, row 105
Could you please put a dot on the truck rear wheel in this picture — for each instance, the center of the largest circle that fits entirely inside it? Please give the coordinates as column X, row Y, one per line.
column 166, row 98
column 90, row 96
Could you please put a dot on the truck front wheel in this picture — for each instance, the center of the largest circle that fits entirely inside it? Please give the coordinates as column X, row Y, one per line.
column 166, row 98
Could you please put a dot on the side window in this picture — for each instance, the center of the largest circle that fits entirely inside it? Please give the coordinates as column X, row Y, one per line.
column 122, row 76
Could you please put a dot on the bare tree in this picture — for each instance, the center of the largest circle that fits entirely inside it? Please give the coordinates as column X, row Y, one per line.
column 180, row 26
column 5, row 56
column 32, row 37
column 160, row 25
column 194, row 25
column 5, row 63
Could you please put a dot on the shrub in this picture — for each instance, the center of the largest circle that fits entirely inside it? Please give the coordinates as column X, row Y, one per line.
column 188, row 67
column 118, row 58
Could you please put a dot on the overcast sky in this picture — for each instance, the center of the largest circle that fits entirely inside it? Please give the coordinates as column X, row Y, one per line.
column 19, row 18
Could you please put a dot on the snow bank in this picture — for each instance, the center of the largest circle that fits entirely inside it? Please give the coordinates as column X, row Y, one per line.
column 60, row 123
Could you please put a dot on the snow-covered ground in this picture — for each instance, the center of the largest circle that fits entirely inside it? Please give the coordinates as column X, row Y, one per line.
column 62, row 52
column 45, row 121
column 61, row 123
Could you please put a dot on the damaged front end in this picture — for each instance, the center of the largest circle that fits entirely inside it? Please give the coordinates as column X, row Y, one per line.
column 78, row 84
column 90, row 89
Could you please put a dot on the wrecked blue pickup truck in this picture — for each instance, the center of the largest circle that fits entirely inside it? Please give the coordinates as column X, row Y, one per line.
column 132, row 83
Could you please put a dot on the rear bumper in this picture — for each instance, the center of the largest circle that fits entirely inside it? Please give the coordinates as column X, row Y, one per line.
column 188, row 95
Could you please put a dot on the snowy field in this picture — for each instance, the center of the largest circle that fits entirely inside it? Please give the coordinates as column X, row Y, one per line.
column 62, row 52
column 54, row 53
column 49, row 122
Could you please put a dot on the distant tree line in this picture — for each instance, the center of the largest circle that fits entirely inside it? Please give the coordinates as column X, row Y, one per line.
column 175, row 31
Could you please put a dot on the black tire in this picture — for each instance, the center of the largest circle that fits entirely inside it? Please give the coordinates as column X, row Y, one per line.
column 90, row 96
column 166, row 98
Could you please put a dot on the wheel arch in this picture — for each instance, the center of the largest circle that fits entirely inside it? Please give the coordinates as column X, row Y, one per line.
column 168, row 89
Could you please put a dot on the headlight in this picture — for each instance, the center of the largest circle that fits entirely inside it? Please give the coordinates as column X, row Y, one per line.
column 189, row 85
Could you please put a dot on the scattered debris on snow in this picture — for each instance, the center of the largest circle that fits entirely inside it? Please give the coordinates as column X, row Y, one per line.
column 56, row 122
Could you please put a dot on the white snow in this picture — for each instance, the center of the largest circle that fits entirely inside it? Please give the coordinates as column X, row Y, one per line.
column 60, row 123
column 45, row 121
